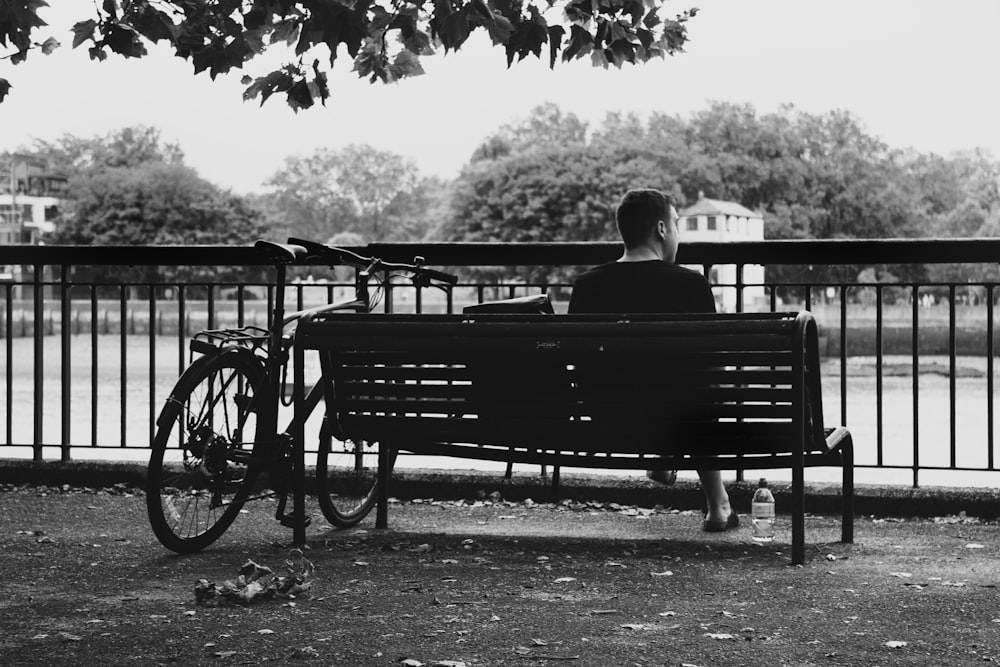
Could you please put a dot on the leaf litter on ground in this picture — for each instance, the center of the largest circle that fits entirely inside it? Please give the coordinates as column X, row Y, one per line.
column 258, row 582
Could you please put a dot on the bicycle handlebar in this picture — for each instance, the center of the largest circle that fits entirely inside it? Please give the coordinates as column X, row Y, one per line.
column 343, row 257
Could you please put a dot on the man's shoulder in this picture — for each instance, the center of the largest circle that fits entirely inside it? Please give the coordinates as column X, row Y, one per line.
column 596, row 272
column 648, row 268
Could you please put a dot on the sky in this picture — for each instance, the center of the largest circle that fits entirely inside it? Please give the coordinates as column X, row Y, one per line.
column 916, row 73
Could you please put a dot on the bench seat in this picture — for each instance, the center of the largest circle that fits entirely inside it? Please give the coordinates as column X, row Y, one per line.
column 686, row 392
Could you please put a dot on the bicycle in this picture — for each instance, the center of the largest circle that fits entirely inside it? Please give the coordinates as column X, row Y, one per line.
column 217, row 433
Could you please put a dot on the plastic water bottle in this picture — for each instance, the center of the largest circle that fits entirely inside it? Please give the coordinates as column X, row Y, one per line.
column 762, row 513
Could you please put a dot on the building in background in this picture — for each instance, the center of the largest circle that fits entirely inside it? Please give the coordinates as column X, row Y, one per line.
column 712, row 220
column 30, row 197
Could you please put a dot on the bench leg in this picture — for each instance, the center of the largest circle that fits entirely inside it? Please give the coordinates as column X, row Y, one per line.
column 798, row 516
column 847, row 520
column 382, row 492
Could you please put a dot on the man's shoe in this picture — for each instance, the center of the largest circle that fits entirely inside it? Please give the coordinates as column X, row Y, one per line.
column 721, row 526
column 667, row 477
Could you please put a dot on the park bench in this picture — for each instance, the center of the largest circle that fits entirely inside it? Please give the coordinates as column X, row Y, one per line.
column 642, row 392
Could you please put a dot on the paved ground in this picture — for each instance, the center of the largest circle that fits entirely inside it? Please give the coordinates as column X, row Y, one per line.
column 496, row 583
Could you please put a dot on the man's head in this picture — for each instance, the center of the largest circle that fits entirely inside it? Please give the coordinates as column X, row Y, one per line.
column 647, row 219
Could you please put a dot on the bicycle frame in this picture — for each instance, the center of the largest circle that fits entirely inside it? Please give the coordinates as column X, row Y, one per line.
column 269, row 437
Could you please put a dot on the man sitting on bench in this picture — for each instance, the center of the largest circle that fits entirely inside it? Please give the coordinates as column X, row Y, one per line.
column 645, row 279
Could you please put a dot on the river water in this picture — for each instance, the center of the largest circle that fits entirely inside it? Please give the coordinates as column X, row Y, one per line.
column 103, row 413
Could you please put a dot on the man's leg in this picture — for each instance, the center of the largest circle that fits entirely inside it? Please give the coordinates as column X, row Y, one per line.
column 715, row 494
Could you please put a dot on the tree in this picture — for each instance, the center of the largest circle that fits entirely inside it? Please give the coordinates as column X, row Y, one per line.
column 378, row 195
column 155, row 203
column 546, row 194
column 70, row 155
column 384, row 38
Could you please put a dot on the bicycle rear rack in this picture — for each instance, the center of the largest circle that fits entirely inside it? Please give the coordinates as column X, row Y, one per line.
column 210, row 341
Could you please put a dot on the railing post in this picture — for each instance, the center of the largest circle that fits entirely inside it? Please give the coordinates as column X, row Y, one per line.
column 989, row 377
column 389, row 304
column 843, row 355
column 739, row 288
column 915, row 366
column 66, row 374
column 952, row 370
column 152, row 363
column 9, row 368
column 123, row 348
column 94, row 331
column 39, row 365
column 878, row 375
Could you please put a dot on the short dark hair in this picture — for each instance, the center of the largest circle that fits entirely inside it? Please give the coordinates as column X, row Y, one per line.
column 639, row 211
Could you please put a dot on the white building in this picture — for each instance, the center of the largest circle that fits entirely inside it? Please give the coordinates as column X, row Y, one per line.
column 29, row 200
column 29, row 205
column 718, row 221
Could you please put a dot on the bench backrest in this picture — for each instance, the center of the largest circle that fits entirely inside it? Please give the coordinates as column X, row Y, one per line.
column 721, row 384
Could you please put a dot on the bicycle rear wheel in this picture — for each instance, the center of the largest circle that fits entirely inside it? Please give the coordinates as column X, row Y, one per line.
column 346, row 479
column 200, row 470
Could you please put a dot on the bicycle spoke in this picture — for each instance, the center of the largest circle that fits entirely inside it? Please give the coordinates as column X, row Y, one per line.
column 199, row 472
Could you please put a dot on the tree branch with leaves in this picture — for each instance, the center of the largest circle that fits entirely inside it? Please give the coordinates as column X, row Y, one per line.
column 385, row 39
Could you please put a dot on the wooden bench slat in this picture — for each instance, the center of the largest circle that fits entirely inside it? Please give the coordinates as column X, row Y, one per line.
column 525, row 407
column 448, row 389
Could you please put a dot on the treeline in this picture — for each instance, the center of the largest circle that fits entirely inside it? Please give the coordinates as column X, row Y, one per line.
column 548, row 177
column 553, row 178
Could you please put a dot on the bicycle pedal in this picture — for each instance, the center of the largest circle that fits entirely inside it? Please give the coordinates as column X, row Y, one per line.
column 290, row 520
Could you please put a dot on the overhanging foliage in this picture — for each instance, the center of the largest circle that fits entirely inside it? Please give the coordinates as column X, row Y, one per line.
column 384, row 38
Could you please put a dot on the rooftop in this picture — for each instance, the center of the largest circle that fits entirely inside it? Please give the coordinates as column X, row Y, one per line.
column 706, row 206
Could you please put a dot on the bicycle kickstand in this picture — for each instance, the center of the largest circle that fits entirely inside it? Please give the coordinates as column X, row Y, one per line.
column 288, row 519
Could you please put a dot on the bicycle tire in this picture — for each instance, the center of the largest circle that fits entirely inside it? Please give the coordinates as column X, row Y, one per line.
column 200, row 472
column 346, row 482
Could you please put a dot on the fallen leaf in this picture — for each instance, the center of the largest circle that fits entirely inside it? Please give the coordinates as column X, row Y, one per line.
column 565, row 580
column 410, row 662
column 265, row 631
column 304, row 652
column 665, row 573
column 721, row 636
column 975, row 545
column 895, row 644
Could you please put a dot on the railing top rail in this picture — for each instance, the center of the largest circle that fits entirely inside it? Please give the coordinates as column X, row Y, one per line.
column 806, row 251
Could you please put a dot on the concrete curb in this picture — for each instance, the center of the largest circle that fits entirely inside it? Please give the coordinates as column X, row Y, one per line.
column 895, row 501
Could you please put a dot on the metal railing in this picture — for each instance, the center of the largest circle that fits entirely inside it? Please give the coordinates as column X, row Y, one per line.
column 87, row 363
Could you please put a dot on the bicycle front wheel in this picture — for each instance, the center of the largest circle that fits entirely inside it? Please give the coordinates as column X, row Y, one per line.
column 200, row 470
column 345, row 479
